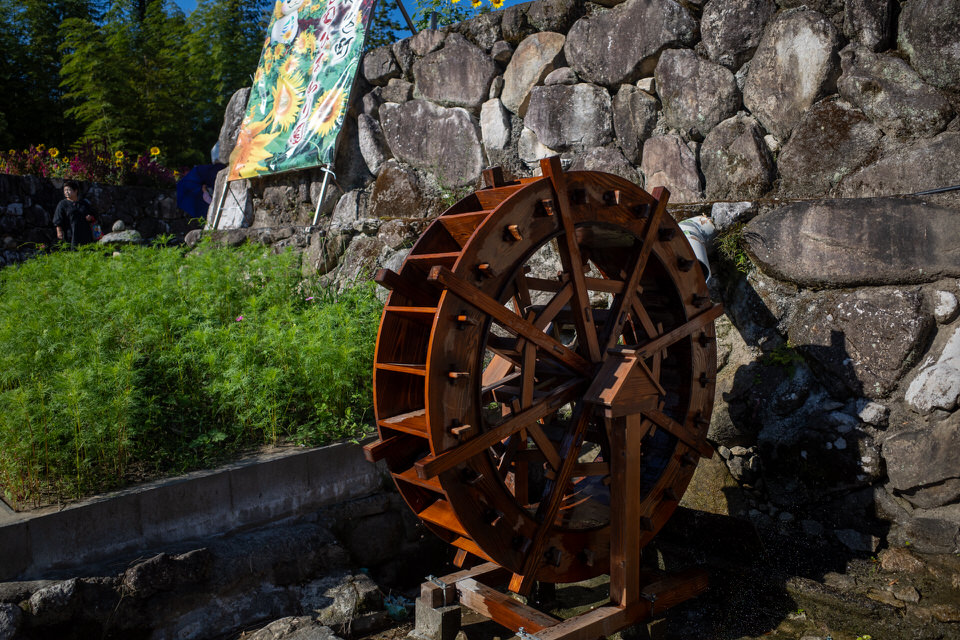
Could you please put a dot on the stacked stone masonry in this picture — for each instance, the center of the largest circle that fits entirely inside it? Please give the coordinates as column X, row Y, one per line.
column 840, row 376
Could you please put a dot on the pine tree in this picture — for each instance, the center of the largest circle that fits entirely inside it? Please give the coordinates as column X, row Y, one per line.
column 31, row 100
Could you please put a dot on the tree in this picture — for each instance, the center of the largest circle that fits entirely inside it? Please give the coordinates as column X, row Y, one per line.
column 224, row 44
column 145, row 75
column 31, row 100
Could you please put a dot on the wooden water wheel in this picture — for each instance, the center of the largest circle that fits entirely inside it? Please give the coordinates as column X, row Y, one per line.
column 544, row 375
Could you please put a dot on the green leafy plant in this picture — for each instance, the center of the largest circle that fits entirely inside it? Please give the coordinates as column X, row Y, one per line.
column 731, row 250
column 119, row 368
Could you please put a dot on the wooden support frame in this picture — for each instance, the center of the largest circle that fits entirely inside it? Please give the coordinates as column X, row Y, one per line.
column 651, row 593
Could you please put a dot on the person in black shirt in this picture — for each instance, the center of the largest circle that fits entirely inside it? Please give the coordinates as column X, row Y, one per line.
column 73, row 216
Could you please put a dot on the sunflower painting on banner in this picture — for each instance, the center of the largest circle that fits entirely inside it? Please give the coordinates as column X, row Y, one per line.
column 301, row 86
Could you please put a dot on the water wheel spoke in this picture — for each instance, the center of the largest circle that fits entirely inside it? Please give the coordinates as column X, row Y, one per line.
column 673, row 336
column 510, row 321
column 555, row 491
column 625, row 302
column 434, row 465
column 545, row 445
column 572, row 261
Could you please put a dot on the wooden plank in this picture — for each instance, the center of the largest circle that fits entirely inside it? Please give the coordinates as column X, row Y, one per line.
column 626, row 435
column 501, row 608
column 461, row 226
column 410, row 476
column 491, row 198
column 403, row 367
column 447, row 258
column 686, row 435
column 598, row 623
column 593, row 284
column 503, row 316
column 421, row 315
column 572, row 261
column 695, row 323
column 486, row 573
column 430, row 466
column 471, row 547
column 397, row 446
column 625, row 302
column 414, row 422
column 395, row 282
column 441, row 514
column 676, row 588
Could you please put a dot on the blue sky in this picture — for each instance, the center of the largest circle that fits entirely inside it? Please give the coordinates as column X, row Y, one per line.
column 187, row 5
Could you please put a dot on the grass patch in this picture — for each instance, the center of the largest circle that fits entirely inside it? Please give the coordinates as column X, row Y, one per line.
column 158, row 361
column 731, row 250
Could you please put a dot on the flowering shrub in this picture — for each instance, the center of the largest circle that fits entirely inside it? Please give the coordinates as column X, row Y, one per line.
column 91, row 162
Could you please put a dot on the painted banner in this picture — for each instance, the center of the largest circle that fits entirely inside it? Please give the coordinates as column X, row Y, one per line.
column 302, row 86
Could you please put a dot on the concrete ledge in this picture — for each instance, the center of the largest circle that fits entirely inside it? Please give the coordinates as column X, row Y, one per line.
column 249, row 493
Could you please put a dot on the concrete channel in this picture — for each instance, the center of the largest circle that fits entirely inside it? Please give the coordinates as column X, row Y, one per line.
column 250, row 493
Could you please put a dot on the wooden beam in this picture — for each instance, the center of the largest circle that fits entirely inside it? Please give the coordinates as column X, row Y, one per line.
column 432, row 593
column 625, row 302
column 503, row 316
column 431, row 466
column 547, row 511
column 502, row 608
column 572, row 261
column 686, row 435
column 695, row 323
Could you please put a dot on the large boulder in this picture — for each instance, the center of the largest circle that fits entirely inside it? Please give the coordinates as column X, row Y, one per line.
column 395, row 194
column 696, row 94
column 669, row 162
column 922, row 463
column 847, row 243
column 892, row 95
column 622, row 45
column 937, row 386
column 231, row 124
column 494, row 126
column 634, row 118
column 379, row 66
column 929, row 37
column 732, row 29
column 458, row 75
column 735, row 160
column 445, row 142
column 373, row 146
column 796, row 63
column 570, row 116
column 869, row 23
column 862, row 341
column 924, row 165
column 853, row 141
column 554, row 15
column 531, row 150
column 608, row 160
column 534, row 59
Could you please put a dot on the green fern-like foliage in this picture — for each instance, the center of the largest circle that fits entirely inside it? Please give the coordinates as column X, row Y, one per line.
column 157, row 361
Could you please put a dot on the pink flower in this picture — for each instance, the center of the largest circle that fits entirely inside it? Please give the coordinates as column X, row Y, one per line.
column 239, row 318
column 310, row 298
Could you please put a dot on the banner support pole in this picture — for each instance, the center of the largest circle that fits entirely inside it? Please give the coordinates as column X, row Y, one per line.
column 217, row 211
column 323, row 192
column 406, row 16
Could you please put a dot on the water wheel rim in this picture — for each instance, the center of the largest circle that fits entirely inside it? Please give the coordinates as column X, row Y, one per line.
column 486, row 513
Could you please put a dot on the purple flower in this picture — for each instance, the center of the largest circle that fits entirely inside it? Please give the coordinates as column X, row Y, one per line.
column 239, row 318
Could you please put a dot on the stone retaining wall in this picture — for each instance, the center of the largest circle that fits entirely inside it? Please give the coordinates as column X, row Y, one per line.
column 838, row 387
